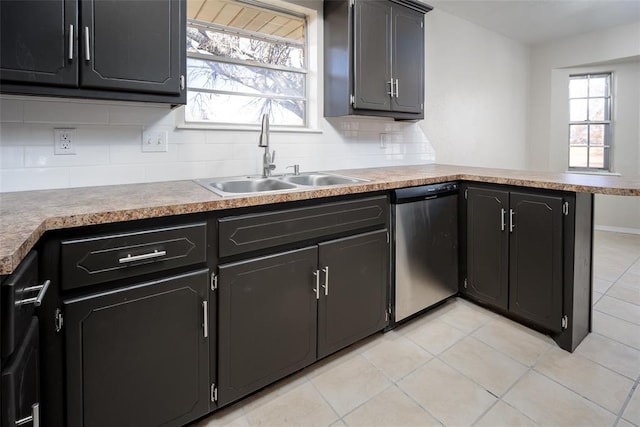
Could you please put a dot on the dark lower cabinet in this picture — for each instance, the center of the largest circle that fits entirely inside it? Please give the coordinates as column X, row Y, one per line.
column 20, row 383
column 280, row 313
column 267, row 320
column 139, row 356
column 536, row 258
column 514, row 253
column 354, row 289
column 487, row 246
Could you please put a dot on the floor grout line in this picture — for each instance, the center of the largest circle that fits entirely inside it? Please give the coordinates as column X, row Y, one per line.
column 626, row 402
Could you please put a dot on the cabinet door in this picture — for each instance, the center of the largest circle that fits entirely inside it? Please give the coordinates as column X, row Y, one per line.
column 487, row 246
column 20, row 381
column 138, row 356
column 408, row 60
column 372, row 55
column 535, row 285
column 37, row 41
column 267, row 321
column 132, row 45
column 354, row 292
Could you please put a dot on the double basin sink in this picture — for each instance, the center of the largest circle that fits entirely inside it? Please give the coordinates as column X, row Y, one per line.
column 250, row 185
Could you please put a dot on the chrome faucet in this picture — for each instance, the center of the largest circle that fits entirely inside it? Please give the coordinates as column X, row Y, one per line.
column 269, row 156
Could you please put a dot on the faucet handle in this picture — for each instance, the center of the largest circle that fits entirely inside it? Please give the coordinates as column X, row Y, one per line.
column 296, row 169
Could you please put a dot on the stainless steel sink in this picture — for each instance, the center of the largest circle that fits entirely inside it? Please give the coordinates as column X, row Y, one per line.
column 320, row 179
column 227, row 187
column 236, row 186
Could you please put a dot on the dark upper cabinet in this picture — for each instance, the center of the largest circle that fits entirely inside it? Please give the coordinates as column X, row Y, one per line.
column 408, row 60
column 372, row 55
column 487, row 246
column 131, row 45
column 103, row 49
column 38, row 43
column 514, row 253
column 374, row 58
column 267, row 320
column 139, row 355
column 354, row 285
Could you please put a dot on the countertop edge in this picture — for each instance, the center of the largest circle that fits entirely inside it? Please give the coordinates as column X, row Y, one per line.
column 12, row 259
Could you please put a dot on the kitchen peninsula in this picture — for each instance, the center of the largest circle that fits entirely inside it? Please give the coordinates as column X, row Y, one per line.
column 232, row 274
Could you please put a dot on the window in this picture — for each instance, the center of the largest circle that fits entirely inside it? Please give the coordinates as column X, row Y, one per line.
column 245, row 60
column 590, row 122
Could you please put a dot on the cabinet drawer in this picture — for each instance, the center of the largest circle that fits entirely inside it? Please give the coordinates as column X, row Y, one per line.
column 104, row 258
column 245, row 233
column 21, row 292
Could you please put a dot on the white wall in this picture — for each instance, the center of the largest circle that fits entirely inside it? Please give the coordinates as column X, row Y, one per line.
column 616, row 50
column 476, row 94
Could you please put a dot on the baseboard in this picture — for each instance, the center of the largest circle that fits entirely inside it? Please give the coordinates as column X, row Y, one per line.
column 617, row 229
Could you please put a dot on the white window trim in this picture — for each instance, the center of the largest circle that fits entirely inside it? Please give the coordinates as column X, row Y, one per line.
column 314, row 45
column 609, row 170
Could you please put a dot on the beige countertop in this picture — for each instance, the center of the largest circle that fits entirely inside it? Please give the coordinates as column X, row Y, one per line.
column 25, row 216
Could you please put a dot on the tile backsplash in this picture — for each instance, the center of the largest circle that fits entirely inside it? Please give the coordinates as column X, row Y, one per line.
column 108, row 144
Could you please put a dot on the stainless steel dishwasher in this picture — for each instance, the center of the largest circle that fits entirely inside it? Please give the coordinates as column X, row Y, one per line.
column 426, row 246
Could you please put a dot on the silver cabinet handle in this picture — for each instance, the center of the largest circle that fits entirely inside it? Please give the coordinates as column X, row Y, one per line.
column 37, row 300
column 503, row 216
column 397, row 88
column 205, row 324
column 511, row 224
column 317, row 288
column 87, row 48
column 325, row 270
column 131, row 258
column 391, row 87
column 70, row 41
column 35, row 417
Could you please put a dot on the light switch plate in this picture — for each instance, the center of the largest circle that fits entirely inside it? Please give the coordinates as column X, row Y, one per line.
column 155, row 141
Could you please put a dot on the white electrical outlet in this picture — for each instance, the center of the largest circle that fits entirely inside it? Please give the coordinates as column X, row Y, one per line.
column 64, row 141
column 154, row 141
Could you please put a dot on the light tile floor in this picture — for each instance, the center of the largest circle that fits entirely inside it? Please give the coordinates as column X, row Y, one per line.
column 461, row 365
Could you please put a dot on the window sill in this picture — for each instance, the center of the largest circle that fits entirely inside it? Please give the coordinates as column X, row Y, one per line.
column 247, row 128
column 593, row 173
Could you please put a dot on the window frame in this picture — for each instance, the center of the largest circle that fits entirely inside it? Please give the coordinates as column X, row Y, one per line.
column 305, row 72
column 606, row 123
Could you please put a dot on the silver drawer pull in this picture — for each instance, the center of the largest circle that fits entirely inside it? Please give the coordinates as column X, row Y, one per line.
column 71, row 36
column 87, row 45
column 205, row 322
column 325, row 270
column 37, row 300
column 131, row 258
column 317, row 288
column 35, row 416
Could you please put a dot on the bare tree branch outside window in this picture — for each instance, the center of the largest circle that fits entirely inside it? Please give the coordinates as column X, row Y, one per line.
column 235, row 76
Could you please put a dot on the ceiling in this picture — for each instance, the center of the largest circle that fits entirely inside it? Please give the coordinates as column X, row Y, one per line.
column 538, row 21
